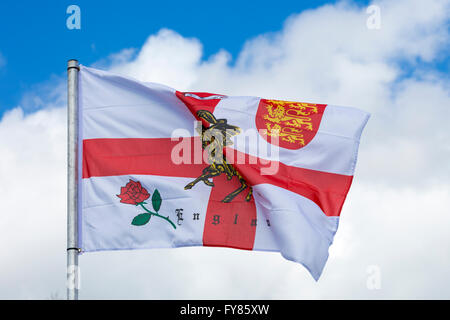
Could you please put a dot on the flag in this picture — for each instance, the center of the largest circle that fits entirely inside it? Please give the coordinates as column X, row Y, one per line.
column 161, row 168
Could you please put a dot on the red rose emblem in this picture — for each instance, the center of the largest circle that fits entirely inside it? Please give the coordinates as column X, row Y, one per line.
column 133, row 193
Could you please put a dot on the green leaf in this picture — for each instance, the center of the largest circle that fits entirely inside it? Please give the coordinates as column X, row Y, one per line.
column 156, row 200
column 141, row 219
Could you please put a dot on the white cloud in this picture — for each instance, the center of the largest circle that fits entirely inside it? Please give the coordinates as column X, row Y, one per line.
column 32, row 221
column 395, row 216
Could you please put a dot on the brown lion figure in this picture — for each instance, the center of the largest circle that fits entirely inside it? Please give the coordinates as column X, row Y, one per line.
column 214, row 139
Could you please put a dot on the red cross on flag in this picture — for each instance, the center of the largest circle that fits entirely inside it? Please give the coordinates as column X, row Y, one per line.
column 161, row 168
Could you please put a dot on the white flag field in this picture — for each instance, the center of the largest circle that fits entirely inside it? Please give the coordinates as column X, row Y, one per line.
column 160, row 168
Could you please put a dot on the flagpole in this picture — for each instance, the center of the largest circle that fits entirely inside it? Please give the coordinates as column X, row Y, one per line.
column 72, row 180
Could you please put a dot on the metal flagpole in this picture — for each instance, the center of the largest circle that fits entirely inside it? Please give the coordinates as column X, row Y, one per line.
column 72, row 180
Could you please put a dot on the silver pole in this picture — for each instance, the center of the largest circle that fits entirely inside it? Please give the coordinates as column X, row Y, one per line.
column 72, row 180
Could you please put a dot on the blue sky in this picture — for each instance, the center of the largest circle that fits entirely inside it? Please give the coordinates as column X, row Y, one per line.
column 36, row 44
